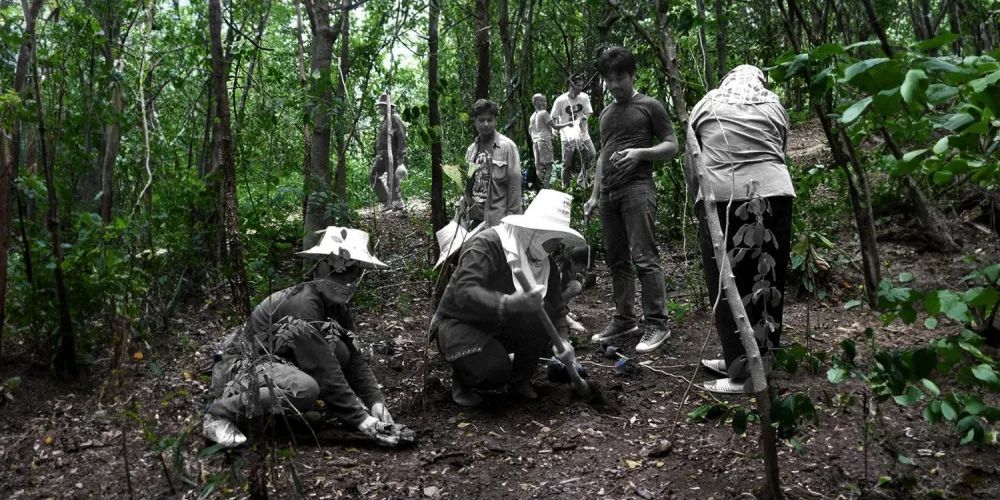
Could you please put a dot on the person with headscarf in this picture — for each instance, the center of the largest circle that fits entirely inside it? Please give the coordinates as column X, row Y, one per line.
column 297, row 347
column 737, row 136
column 486, row 315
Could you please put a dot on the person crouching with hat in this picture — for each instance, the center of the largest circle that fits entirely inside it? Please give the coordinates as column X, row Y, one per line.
column 485, row 315
column 299, row 345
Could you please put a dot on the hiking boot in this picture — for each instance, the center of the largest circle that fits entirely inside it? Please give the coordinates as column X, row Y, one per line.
column 221, row 430
column 654, row 336
column 715, row 366
column 463, row 395
column 523, row 389
column 612, row 331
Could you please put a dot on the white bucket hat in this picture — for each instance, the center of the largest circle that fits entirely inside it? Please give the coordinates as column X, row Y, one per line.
column 451, row 238
column 346, row 243
column 549, row 211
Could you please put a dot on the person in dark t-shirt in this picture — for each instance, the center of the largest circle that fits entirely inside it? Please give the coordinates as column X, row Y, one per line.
column 635, row 132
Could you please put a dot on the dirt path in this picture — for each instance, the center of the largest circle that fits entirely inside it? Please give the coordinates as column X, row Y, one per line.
column 57, row 442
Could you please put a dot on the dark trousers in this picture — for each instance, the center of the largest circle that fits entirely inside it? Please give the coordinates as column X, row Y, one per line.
column 779, row 222
column 627, row 218
column 492, row 368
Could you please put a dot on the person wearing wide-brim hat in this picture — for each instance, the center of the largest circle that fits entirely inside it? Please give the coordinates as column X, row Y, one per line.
column 299, row 346
column 485, row 315
column 378, row 175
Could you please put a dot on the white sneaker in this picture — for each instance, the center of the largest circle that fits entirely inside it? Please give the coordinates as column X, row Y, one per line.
column 728, row 386
column 652, row 339
column 222, row 431
column 575, row 325
column 716, row 366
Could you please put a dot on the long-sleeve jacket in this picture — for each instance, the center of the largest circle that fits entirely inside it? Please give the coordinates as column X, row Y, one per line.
column 398, row 140
column 326, row 351
column 474, row 295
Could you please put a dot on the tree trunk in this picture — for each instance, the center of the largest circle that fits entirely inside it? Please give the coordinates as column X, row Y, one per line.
column 438, row 216
column 303, row 86
column 340, row 178
column 510, row 103
column 318, row 177
column 112, row 129
column 223, row 143
column 721, row 17
column 706, row 63
column 65, row 360
column 10, row 145
column 482, row 90
column 668, row 55
column 861, row 204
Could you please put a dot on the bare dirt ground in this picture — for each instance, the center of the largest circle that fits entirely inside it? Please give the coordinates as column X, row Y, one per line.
column 56, row 440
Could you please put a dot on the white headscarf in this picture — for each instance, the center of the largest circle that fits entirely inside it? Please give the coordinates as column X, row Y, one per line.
column 523, row 248
column 743, row 85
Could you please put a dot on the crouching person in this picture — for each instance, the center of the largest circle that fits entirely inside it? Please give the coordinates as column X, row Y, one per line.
column 485, row 315
column 298, row 347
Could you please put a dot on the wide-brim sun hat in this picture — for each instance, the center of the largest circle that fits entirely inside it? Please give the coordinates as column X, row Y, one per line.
column 346, row 243
column 450, row 239
column 383, row 100
column 549, row 211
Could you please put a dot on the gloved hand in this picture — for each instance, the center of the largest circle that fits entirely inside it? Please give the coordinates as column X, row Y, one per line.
column 379, row 432
column 380, row 412
column 524, row 301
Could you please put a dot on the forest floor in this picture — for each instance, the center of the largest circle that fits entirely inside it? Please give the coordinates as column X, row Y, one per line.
column 58, row 440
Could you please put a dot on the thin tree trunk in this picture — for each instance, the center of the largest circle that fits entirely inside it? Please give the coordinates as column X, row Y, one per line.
column 65, row 360
column 112, row 129
column 482, row 90
column 10, row 145
column 319, row 177
column 860, row 194
column 307, row 133
column 722, row 18
column 706, row 62
column 955, row 24
column 223, row 142
column 340, row 176
column 438, row 215
column 510, row 102
column 669, row 57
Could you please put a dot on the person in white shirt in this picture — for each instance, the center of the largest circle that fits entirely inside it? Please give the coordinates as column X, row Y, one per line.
column 540, row 127
column 573, row 109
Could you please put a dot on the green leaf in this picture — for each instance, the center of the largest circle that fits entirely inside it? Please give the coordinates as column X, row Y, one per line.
column 959, row 121
column 851, row 304
column 932, row 303
column 942, row 177
column 941, row 145
column 912, row 395
column 887, row 102
column 980, row 297
column 931, row 386
column 985, row 373
column 905, row 277
column 930, row 323
column 866, row 43
column 939, row 92
column 857, row 109
column 958, row 312
column 913, row 86
column 905, row 460
column 980, row 84
column 948, row 411
column 836, row 375
column 826, row 50
column 971, row 428
column 912, row 155
column 942, row 39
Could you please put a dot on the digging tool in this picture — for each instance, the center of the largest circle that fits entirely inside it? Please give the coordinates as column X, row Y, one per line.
column 563, row 350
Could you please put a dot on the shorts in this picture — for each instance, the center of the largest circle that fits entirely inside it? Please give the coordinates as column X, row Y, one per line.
column 543, row 151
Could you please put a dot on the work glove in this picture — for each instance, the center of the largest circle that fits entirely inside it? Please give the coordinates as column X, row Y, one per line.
column 380, row 412
column 379, row 432
column 524, row 301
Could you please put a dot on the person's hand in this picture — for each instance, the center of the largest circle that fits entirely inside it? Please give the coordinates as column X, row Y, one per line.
column 626, row 159
column 588, row 208
column 383, row 434
column 380, row 412
column 520, row 301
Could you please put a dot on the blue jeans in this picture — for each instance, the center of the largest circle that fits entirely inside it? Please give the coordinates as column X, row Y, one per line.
column 627, row 214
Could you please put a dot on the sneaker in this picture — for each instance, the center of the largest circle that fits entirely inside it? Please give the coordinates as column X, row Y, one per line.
column 728, row 386
column 716, row 366
column 463, row 395
column 221, row 430
column 654, row 336
column 575, row 325
column 523, row 388
column 611, row 331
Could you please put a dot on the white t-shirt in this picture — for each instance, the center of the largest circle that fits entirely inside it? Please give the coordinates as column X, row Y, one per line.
column 570, row 109
column 538, row 126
